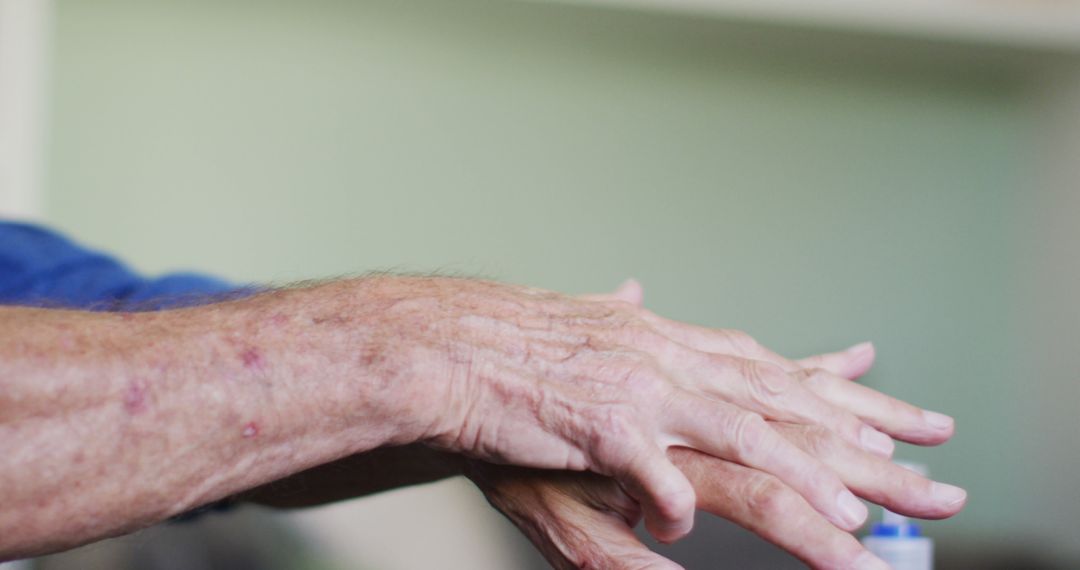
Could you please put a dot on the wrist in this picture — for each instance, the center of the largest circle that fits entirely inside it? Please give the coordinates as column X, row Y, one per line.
column 341, row 362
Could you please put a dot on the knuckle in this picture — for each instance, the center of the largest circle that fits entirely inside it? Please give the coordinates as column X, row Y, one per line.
column 767, row 498
column 640, row 375
column 765, row 381
column 907, row 413
column 817, row 379
column 851, row 428
column 822, row 441
column 749, row 433
column 613, row 437
column 912, row 488
column 615, row 423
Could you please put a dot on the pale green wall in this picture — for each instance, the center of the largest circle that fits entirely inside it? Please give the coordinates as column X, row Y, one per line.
column 813, row 198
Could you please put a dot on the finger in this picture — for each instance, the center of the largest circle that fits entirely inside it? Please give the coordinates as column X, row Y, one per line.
column 727, row 432
column 875, row 479
column 576, row 520
column 764, row 505
column 851, row 363
column 766, row 388
column 666, row 496
column 890, row 415
column 717, row 341
column 629, row 292
column 595, row 539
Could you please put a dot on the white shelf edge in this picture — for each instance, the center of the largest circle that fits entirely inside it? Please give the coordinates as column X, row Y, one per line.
column 1026, row 24
column 23, row 49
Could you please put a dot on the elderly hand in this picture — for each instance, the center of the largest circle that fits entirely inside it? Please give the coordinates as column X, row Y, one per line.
column 584, row 521
column 544, row 380
column 580, row 520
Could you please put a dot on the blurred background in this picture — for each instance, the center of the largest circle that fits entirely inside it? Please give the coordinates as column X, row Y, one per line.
column 815, row 173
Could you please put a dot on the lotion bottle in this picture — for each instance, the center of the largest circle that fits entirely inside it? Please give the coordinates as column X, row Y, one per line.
column 899, row 541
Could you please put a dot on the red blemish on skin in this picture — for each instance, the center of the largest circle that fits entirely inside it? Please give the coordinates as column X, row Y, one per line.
column 135, row 397
column 279, row 320
column 251, row 429
column 251, row 358
column 78, row 458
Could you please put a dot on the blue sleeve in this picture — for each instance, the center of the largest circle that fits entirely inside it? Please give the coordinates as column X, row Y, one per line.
column 39, row 267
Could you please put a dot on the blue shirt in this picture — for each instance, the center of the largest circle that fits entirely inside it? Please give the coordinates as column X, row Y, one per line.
column 39, row 267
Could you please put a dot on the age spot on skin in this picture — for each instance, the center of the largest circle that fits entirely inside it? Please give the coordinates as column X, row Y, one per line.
column 135, row 397
column 251, row 429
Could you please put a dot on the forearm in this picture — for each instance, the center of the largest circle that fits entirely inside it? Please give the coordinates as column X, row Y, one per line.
column 111, row 422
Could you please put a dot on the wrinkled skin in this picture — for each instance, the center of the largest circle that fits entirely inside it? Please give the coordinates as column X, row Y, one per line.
column 599, row 384
column 585, row 521
column 582, row 520
column 97, row 408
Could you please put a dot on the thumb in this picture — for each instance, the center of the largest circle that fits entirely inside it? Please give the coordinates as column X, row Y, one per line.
column 851, row 363
column 630, row 291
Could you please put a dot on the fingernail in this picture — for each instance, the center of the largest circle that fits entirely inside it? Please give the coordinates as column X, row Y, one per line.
column 876, row 442
column 861, row 348
column 862, row 354
column 867, row 561
column 852, row 509
column 949, row 495
column 937, row 421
